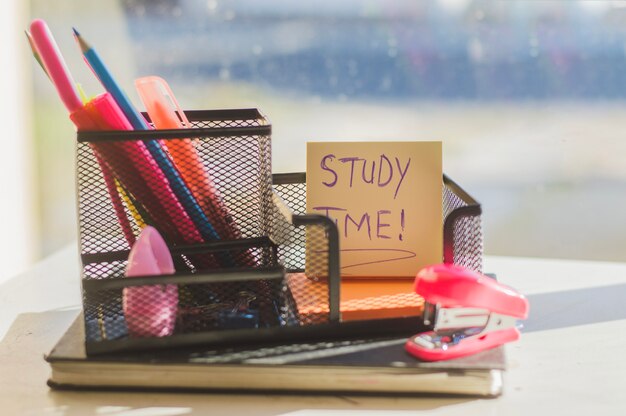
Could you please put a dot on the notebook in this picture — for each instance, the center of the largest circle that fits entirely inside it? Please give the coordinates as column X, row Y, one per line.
column 356, row 366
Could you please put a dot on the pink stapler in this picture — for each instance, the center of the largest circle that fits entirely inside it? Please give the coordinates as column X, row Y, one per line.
column 469, row 312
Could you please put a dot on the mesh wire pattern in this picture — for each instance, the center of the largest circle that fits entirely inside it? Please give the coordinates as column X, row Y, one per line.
column 187, row 186
column 462, row 227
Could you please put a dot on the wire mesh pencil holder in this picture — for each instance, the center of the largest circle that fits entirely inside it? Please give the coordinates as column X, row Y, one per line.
column 237, row 235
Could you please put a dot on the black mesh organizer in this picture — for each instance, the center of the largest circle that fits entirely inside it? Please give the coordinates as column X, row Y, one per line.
column 236, row 281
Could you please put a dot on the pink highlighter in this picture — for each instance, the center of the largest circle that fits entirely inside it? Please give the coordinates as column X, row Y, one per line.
column 149, row 185
column 150, row 311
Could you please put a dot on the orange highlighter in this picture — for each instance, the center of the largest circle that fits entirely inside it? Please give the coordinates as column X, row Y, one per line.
column 165, row 113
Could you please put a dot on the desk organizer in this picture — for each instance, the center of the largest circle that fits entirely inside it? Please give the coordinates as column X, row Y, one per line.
column 237, row 287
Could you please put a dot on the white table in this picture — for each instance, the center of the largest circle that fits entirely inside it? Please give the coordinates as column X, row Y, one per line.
column 569, row 361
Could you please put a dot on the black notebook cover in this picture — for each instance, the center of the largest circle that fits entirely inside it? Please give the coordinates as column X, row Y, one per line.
column 361, row 366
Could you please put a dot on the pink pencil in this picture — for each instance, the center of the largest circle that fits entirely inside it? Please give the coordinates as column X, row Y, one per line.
column 150, row 187
column 47, row 53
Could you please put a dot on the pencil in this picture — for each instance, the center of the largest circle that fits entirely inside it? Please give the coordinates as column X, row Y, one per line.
column 130, row 205
column 178, row 185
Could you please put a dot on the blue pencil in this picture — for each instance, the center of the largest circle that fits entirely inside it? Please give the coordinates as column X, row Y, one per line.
column 179, row 187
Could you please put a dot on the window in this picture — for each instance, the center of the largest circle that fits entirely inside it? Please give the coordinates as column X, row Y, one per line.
column 527, row 96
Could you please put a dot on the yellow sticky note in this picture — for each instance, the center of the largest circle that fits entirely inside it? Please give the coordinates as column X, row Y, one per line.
column 385, row 198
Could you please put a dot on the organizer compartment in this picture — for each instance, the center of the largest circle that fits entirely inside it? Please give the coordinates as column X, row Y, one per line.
column 462, row 221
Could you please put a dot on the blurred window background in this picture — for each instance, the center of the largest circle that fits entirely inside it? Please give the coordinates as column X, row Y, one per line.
column 528, row 97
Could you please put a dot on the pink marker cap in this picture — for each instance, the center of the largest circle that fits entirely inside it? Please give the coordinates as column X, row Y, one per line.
column 150, row 311
column 149, row 255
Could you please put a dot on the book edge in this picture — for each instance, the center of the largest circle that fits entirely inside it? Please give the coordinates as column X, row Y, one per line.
column 302, row 380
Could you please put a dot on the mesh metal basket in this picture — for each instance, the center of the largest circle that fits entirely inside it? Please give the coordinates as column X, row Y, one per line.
column 245, row 251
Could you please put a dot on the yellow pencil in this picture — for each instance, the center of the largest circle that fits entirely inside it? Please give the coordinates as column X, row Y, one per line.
column 131, row 207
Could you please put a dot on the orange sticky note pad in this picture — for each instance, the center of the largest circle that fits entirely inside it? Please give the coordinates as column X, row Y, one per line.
column 359, row 300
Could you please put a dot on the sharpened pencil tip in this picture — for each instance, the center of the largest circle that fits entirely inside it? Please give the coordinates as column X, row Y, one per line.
column 33, row 48
column 84, row 46
column 31, row 42
column 30, row 38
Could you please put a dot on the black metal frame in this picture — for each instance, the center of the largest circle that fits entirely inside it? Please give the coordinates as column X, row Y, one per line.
column 193, row 115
